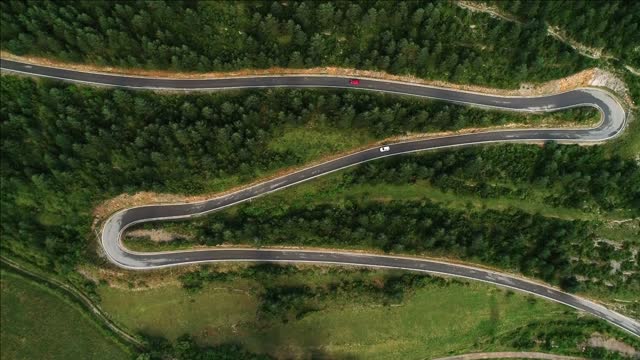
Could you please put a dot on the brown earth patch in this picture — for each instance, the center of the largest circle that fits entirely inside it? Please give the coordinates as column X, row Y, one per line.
column 510, row 355
column 155, row 235
column 611, row 344
column 485, row 8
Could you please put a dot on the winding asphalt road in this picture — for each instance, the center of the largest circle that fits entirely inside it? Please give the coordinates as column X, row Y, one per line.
column 612, row 124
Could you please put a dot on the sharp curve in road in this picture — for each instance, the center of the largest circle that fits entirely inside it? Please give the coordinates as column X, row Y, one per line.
column 612, row 124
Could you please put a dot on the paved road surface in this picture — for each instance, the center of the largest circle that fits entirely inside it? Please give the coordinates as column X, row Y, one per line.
column 611, row 125
column 510, row 355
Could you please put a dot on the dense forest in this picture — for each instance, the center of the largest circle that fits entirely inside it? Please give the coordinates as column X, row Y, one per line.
column 633, row 82
column 66, row 147
column 556, row 250
column 436, row 40
column 585, row 177
column 551, row 249
column 613, row 26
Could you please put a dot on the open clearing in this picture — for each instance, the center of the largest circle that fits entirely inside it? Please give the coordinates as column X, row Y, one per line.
column 38, row 323
column 434, row 321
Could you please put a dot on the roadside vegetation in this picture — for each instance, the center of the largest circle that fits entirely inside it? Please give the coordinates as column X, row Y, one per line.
column 435, row 40
column 633, row 82
column 39, row 323
column 548, row 212
column 287, row 311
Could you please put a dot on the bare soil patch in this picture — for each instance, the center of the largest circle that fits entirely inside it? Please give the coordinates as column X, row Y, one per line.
column 607, row 79
column 510, row 355
column 597, row 340
column 481, row 7
column 134, row 280
column 155, row 235
column 555, row 31
column 634, row 71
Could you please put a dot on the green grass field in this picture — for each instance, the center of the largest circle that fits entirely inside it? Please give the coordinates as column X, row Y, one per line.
column 433, row 322
column 38, row 323
column 312, row 143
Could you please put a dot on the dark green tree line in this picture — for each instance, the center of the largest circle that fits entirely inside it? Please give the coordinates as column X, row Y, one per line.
column 434, row 39
column 186, row 348
column 586, row 177
column 533, row 244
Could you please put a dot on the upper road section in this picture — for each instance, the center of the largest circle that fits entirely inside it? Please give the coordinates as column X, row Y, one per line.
column 612, row 123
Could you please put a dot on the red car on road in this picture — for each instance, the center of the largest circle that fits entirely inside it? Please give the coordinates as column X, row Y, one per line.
column 354, row 82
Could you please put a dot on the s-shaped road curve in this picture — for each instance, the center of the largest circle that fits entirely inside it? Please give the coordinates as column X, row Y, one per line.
column 612, row 124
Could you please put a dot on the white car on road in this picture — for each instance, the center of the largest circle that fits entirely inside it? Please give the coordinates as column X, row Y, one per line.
column 384, row 149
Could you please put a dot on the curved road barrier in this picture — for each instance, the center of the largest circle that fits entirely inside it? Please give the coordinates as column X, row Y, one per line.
column 611, row 125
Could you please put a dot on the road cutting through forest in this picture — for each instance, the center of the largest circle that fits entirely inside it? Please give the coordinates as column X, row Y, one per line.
column 613, row 122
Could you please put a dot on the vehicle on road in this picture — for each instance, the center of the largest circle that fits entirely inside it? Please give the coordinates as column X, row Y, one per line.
column 612, row 123
column 354, row 82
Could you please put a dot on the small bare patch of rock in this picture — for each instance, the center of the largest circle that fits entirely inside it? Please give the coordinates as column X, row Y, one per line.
column 609, row 80
column 156, row 235
column 597, row 340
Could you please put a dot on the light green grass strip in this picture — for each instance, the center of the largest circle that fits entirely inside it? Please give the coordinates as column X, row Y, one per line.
column 37, row 323
column 433, row 322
